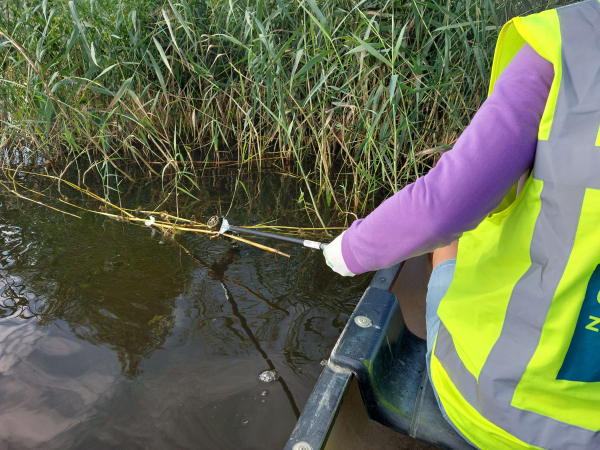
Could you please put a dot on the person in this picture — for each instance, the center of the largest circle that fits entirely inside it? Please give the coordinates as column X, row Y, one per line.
column 513, row 306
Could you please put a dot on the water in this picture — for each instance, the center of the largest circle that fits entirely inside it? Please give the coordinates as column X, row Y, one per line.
column 111, row 337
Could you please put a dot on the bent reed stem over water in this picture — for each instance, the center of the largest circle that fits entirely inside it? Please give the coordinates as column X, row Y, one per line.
column 169, row 225
column 356, row 97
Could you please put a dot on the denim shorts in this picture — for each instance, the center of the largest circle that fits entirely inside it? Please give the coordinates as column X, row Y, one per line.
column 440, row 280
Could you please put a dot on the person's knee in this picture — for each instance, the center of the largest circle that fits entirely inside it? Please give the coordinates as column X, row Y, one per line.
column 444, row 253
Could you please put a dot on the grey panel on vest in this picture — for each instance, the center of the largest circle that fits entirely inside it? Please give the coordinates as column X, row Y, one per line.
column 551, row 245
column 532, row 428
column 446, row 353
column 575, row 166
column 576, row 117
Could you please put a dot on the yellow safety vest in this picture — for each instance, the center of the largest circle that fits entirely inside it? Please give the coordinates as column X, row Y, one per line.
column 516, row 363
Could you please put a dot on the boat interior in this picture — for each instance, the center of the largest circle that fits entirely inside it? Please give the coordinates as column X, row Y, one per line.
column 375, row 393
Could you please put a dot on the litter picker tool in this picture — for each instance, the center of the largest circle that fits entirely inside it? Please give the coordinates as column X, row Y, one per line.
column 225, row 227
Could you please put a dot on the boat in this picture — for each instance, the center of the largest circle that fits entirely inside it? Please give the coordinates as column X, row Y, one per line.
column 374, row 392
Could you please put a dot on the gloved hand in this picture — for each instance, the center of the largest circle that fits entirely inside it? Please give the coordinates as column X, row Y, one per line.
column 334, row 258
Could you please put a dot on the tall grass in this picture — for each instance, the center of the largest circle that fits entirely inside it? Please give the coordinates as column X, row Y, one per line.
column 356, row 97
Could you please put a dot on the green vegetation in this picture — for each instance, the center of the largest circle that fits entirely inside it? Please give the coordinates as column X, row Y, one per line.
column 356, row 97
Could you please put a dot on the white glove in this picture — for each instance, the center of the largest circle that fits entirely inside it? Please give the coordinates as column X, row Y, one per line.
column 334, row 258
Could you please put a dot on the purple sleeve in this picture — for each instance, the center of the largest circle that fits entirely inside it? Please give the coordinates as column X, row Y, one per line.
column 468, row 182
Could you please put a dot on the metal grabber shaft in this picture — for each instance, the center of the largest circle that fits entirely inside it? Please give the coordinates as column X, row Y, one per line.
column 225, row 227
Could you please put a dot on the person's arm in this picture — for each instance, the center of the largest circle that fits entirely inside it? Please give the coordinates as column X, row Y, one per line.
column 467, row 183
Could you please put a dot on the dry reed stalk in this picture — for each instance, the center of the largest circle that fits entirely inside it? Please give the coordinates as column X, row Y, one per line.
column 35, row 201
column 255, row 244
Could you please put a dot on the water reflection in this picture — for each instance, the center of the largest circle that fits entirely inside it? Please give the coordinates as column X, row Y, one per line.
column 217, row 271
column 112, row 338
column 83, row 275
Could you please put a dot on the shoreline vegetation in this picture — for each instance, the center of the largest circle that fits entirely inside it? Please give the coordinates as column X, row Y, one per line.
column 357, row 98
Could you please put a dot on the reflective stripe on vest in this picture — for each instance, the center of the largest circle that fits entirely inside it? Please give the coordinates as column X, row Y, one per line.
column 568, row 164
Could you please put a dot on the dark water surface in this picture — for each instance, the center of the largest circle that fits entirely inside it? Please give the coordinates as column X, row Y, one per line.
column 113, row 337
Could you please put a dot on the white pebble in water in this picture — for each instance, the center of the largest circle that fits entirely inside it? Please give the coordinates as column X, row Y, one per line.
column 267, row 376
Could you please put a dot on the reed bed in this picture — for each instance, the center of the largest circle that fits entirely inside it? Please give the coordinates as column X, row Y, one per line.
column 357, row 98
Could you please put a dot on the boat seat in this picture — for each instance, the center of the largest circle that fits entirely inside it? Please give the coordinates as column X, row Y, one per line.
column 388, row 361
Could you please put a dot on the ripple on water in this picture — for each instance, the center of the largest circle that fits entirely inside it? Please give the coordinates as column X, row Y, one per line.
column 106, row 313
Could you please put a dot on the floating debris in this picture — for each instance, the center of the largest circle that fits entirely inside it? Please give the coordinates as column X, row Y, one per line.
column 268, row 376
column 264, row 393
column 214, row 223
column 150, row 222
